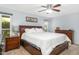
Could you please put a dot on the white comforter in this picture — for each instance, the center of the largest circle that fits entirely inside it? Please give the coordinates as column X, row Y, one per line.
column 45, row 41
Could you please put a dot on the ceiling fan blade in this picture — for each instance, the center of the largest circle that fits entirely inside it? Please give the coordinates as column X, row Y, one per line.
column 57, row 5
column 42, row 10
column 44, row 6
column 56, row 10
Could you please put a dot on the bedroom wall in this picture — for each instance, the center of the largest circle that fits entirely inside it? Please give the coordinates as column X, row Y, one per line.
column 70, row 21
column 19, row 18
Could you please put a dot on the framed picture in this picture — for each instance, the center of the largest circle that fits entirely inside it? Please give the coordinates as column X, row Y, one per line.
column 31, row 19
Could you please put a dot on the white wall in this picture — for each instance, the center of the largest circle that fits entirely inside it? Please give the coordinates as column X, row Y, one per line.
column 70, row 21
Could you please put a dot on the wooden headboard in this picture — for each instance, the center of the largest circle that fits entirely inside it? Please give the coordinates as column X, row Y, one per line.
column 23, row 27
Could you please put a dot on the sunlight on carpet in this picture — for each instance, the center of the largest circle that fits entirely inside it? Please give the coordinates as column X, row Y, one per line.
column 20, row 51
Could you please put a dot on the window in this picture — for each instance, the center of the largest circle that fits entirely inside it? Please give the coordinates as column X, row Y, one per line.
column 5, row 26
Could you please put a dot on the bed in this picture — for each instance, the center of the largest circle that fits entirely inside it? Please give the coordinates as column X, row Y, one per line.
column 38, row 44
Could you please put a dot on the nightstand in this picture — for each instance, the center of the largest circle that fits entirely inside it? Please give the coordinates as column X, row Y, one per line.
column 12, row 43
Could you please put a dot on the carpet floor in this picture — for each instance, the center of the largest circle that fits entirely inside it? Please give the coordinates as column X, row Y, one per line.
column 73, row 50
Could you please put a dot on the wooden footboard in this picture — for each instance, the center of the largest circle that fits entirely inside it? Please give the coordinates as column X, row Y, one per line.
column 60, row 48
column 32, row 50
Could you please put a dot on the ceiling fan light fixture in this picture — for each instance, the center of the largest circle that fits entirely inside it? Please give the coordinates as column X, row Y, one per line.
column 49, row 11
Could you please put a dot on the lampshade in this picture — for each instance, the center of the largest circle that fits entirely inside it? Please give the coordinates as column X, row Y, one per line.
column 45, row 25
column 15, row 28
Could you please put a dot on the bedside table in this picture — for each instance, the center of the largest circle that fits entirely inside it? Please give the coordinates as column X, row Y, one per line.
column 12, row 43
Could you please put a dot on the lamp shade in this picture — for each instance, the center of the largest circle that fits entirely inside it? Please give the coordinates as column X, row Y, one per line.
column 15, row 28
column 46, row 25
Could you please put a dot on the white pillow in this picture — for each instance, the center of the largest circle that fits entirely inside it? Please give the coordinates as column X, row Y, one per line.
column 30, row 30
column 26, row 30
column 39, row 30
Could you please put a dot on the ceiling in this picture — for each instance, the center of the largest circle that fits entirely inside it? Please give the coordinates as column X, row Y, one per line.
column 34, row 8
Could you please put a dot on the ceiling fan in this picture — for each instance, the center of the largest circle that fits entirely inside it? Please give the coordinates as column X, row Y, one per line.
column 51, row 7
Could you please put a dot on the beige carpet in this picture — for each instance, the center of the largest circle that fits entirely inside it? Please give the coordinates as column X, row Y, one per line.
column 73, row 50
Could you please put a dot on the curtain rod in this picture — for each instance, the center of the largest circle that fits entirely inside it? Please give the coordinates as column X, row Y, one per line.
column 6, row 13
